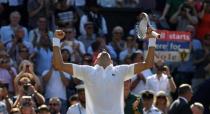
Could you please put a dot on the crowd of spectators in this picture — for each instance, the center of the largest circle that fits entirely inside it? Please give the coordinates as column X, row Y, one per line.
column 30, row 84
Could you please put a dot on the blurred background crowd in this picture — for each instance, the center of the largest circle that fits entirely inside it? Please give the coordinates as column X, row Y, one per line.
column 29, row 83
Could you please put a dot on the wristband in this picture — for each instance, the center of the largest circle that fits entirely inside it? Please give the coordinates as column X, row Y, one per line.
column 56, row 42
column 152, row 42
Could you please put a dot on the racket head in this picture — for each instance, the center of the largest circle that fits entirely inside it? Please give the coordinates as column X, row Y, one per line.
column 142, row 25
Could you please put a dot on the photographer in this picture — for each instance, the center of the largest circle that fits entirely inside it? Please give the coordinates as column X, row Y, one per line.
column 185, row 15
column 161, row 80
column 26, row 86
column 7, row 72
column 27, row 67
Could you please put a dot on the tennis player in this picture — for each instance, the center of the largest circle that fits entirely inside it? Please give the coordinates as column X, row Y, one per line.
column 104, row 83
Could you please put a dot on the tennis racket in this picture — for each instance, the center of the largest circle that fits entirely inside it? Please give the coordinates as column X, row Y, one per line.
column 143, row 25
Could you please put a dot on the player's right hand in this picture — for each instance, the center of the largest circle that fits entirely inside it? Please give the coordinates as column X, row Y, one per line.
column 59, row 34
column 149, row 33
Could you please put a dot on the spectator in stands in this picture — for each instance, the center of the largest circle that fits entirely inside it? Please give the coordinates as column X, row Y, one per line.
column 131, row 47
column 7, row 32
column 133, row 104
column 4, row 96
column 162, row 102
column 117, row 43
column 170, row 8
column 41, row 29
column 204, row 24
column 27, row 105
column 56, row 83
column 28, row 67
column 98, row 46
column 66, row 54
column 162, row 80
column 90, row 36
column 139, row 81
column 181, row 104
column 148, row 98
column 185, row 15
column 93, row 15
column 186, row 69
column 87, row 59
column 95, row 49
column 43, row 54
column 23, row 55
column 3, row 108
column 196, row 51
column 14, row 46
column 78, row 108
column 26, row 87
column 197, row 108
column 77, row 47
column 43, row 109
column 7, row 71
column 55, row 106
column 37, row 9
column 65, row 13
column 201, row 61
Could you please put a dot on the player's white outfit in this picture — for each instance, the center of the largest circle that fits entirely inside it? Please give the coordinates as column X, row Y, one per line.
column 104, row 88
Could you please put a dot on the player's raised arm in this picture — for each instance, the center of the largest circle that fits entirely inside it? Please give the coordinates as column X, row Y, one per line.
column 57, row 57
column 149, row 61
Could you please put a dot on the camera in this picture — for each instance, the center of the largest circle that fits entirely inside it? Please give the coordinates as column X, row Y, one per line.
column 26, row 86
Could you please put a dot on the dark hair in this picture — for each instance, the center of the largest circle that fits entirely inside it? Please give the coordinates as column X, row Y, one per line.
column 74, row 97
column 96, row 45
column 134, row 55
column 147, row 94
column 63, row 50
column 184, row 88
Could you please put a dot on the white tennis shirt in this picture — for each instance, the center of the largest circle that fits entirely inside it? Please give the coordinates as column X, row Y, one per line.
column 104, row 88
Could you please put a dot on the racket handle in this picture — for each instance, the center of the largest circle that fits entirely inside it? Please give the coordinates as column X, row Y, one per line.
column 155, row 34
